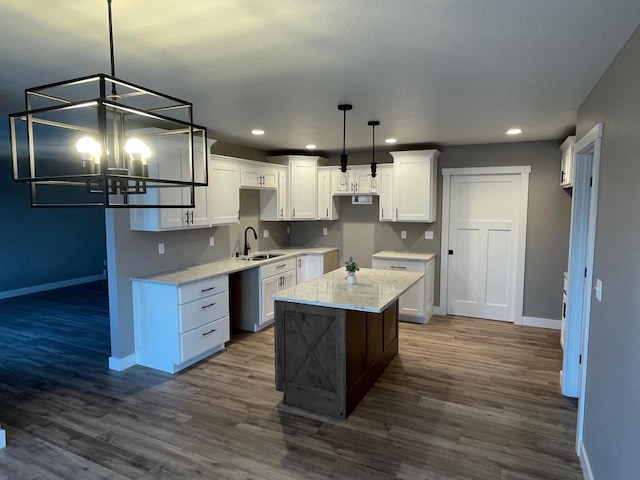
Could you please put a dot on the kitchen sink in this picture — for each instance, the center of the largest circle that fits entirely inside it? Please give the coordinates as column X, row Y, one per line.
column 263, row 256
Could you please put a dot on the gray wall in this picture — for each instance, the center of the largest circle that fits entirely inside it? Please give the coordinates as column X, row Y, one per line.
column 612, row 403
column 44, row 245
column 358, row 232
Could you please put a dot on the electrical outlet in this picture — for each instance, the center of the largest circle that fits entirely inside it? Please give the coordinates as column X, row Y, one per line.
column 211, row 241
column 324, row 231
column 265, row 233
column 403, row 234
column 161, row 248
column 428, row 235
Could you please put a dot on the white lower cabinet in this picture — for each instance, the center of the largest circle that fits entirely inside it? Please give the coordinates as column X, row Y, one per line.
column 416, row 305
column 274, row 278
column 176, row 326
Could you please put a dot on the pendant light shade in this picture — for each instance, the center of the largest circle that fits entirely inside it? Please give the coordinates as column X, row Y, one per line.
column 102, row 141
column 344, row 158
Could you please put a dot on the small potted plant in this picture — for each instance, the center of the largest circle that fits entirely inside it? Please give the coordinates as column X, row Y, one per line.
column 351, row 267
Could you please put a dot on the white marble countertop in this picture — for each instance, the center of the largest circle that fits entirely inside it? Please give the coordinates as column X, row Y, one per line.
column 374, row 291
column 222, row 267
column 391, row 255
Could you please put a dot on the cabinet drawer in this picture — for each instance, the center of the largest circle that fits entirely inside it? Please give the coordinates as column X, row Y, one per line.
column 401, row 265
column 204, row 338
column 203, row 288
column 278, row 267
column 202, row 311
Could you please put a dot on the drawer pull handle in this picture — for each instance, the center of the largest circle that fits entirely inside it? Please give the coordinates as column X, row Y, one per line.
column 396, row 267
column 207, row 289
column 281, row 266
column 207, row 306
column 208, row 333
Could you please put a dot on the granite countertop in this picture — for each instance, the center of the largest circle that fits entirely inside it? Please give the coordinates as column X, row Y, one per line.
column 223, row 267
column 391, row 255
column 374, row 291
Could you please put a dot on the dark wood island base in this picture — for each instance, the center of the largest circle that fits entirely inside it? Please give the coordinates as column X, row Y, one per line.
column 327, row 358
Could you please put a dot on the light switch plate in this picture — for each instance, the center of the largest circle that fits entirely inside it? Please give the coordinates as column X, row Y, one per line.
column 265, row 233
column 161, row 248
column 403, row 234
column 428, row 235
column 598, row 289
column 211, row 241
column 324, row 231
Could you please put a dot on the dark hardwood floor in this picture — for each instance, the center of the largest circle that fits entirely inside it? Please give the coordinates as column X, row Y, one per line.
column 465, row 399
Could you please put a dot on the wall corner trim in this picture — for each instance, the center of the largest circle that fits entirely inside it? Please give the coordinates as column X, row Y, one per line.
column 542, row 323
column 120, row 364
column 438, row 310
column 587, row 473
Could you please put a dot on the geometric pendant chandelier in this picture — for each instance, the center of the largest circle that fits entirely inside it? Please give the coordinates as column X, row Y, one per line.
column 102, row 141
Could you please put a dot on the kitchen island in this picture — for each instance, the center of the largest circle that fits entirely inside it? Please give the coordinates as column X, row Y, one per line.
column 334, row 340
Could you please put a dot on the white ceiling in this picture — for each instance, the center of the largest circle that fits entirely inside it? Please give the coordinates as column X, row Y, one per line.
column 432, row 71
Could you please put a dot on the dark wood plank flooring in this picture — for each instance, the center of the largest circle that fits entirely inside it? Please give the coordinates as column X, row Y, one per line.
column 465, row 399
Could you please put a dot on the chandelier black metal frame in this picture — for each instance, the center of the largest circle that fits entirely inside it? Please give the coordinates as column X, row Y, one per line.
column 121, row 143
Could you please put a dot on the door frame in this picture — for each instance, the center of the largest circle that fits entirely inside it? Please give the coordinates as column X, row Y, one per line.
column 584, row 210
column 447, row 174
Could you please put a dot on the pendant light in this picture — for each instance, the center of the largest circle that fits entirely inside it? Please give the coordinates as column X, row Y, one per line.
column 101, row 141
column 344, row 181
column 374, row 182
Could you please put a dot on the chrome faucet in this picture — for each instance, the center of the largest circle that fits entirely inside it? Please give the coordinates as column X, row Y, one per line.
column 246, row 242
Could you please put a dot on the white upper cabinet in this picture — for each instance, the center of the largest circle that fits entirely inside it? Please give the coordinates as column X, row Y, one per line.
column 414, row 185
column 224, row 191
column 274, row 203
column 327, row 204
column 568, row 162
column 303, row 188
column 384, row 178
column 257, row 175
column 171, row 163
column 303, row 185
column 356, row 181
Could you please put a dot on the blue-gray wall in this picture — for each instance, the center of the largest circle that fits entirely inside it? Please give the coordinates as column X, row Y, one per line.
column 612, row 402
column 44, row 245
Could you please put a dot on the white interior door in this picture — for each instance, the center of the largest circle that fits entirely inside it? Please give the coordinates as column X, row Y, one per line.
column 485, row 246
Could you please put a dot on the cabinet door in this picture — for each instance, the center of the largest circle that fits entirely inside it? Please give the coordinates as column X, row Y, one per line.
column 314, row 266
column 269, row 178
column 300, row 269
column 412, row 303
column 249, row 175
column 567, row 162
column 283, row 195
column 324, row 194
column 303, row 188
column 269, row 287
column 414, row 185
column 199, row 215
column 171, row 156
column 224, row 193
column 288, row 280
column 362, row 179
column 385, row 192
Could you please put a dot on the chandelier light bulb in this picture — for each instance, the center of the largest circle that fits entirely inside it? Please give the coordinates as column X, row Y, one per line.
column 138, row 154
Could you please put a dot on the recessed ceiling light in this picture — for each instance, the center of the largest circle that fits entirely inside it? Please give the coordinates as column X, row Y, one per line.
column 514, row 131
column 257, row 131
column 390, row 140
column 311, row 146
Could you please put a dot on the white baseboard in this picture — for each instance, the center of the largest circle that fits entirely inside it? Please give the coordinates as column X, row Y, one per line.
column 542, row 322
column 120, row 364
column 437, row 310
column 587, row 473
column 50, row 286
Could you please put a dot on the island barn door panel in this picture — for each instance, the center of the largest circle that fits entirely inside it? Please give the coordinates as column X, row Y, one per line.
column 485, row 246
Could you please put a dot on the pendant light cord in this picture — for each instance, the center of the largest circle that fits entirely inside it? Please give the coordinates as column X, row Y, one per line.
column 111, row 53
column 344, row 130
